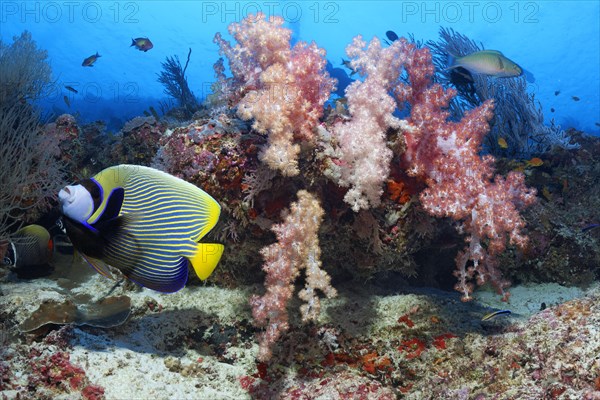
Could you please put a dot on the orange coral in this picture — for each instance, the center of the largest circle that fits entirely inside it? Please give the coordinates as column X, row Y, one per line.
column 398, row 191
column 373, row 362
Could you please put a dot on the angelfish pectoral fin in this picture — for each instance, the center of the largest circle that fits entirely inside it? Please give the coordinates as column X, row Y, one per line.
column 206, row 259
column 100, row 266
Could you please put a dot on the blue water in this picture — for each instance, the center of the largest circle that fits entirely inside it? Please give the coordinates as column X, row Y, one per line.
column 558, row 41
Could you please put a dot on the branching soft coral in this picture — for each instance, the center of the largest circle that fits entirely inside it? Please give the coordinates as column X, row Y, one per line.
column 442, row 153
column 297, row 248
column 282, row 88
column 362, row 140
column 461, row 183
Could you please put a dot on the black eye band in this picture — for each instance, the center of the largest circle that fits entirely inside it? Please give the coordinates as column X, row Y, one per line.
column 94, row 189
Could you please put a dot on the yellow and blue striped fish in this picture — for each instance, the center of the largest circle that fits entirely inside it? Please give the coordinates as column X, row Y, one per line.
column 144, row 222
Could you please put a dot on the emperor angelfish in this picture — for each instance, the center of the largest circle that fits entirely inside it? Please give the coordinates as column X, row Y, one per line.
column 144, row 222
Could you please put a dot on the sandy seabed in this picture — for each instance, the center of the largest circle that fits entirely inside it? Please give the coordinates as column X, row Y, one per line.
column 199, row 343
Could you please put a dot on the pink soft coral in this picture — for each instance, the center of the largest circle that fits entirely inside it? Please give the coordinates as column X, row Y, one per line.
column 297, row 248
column 282, row 88
column 362, row 140
column 461, row 183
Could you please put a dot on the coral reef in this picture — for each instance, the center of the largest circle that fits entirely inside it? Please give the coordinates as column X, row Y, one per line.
column 83, row 150
column 560, row 250
column 461, row 183
column 140, row 140
column 199, row 343
column 415, row 159
column 359, row 149
column 214, row 154
column 368, row 195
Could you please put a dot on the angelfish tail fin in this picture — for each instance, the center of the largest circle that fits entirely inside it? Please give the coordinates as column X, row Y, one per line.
column 206, row 259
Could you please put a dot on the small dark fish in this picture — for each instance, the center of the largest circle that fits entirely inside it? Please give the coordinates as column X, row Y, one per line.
column 575, row 98
column 154, row 113
column 343, row 80
column 142, row 44
column 462, row 80
column 494, row 314
column 66, row 100
column 89, row 62
column 346, row 63
column 597, row 124
column 590, row 227
column 71, row 89
column 557, row 93
column 543, row 306
column 552, row 110
column 391, row 35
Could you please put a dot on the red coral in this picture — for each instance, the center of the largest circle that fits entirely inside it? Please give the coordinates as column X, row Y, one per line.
column 57, row 371
column 413, row 348
column 249, row 383
column 92, row 392
column 329, row 360
column 440, row 341
column 406, row 319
